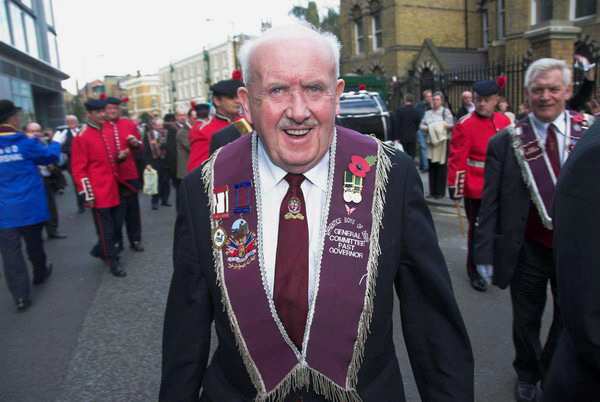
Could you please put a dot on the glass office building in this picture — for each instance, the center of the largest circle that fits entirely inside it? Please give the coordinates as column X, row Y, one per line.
column 30, row 72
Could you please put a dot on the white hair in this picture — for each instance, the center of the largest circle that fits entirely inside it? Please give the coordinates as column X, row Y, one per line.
column 297, row 30
column 542, row 65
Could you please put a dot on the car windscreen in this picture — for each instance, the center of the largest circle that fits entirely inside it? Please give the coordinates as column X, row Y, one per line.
column 358, row 106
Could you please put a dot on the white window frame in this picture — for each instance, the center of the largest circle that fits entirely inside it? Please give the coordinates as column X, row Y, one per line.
column 534, row 16
column 375, row 31
column 572, row 8
column 358, row 40
column 485, row 29
column 501, row 20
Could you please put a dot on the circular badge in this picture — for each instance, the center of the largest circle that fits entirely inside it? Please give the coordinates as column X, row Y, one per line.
column 348, row 196
column 219, row 237
column 576, row 127
column 356, row 198
column 240, row 228
column 294, row 205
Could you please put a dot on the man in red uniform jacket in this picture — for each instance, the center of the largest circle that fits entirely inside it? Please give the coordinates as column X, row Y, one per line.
column 467, row 160
column 94, row 160
column 127, row 137
column 228, row 107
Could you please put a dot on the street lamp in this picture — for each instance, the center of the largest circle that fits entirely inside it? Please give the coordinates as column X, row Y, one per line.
column 232, row 39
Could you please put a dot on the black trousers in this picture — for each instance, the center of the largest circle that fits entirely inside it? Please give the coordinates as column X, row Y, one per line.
column 569, row 379
column 410, row 149
column 472, row 206
column 105, row 220
column 164, row 187
column 77, row 197
column 528, row 290
column 437, row 179
column 129, row 213
column 15, row 269
column 51, row 224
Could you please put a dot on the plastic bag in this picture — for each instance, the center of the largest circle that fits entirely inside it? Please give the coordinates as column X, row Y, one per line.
column 150, row 182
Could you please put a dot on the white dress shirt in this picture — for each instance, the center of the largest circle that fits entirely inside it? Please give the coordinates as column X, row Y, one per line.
column 560, row 128
column 272, row 190
column 61, row 136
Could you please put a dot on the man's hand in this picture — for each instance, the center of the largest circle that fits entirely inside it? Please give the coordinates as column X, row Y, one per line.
column 451, row 192
column 148, row 167
column 134, row 142
column 122, row 155
column 89, row 204
column 584, row 64
column 486, row 272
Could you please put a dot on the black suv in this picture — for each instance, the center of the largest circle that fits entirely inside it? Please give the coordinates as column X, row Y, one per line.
column 364, row 112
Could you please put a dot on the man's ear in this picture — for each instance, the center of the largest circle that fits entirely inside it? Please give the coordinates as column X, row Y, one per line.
column 339, row 89
column 244, row 98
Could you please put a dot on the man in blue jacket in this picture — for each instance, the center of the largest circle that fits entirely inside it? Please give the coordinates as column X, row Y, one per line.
column 23, row 206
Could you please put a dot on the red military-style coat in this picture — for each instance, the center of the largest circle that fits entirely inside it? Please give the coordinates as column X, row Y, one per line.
column 94, row 167
column 122, row 128
column 467, row 152
column 200, row 136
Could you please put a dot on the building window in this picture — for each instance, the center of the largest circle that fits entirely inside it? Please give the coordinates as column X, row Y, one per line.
column 18, row 33
column 4, row 30
column 377, row 31
column 486, row 29
column 53, row 49
column 359, row 36
column 31, row 33
column 49, row 12
column 583, row 8
column 541, row 10
column 501, row 19
column 154, row 102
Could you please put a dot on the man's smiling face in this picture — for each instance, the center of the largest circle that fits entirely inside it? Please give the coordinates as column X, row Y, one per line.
column 292, row 100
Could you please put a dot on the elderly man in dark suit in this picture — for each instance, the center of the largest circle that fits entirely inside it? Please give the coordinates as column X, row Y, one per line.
column 407, row 119
column 513, row 240
column 575, row 370
column 293, row 240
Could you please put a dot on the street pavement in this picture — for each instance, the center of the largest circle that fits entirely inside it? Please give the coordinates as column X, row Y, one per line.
column 92, row 337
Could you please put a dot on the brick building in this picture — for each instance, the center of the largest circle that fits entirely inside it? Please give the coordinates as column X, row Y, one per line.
column 412, row 38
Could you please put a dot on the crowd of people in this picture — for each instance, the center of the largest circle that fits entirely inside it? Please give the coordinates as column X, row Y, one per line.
column 300, row 207
column 106, row 159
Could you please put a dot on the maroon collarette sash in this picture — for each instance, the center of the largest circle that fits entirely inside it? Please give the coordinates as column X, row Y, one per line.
column 342, row 304
column 536, row 168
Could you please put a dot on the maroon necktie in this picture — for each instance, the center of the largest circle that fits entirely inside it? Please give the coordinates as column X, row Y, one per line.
column 552, row 149
column 291, row 264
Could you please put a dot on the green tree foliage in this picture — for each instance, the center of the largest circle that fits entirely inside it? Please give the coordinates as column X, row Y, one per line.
column 310, row 13
column 75, row 107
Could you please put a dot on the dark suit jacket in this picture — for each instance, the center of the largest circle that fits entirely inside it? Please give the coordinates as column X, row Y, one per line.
column 461, row 112
column 223, row 137
column 577, row 257
column 172, row 148
column 504, row 210
column 407, row 122
column 411, row 265
column 156, row 163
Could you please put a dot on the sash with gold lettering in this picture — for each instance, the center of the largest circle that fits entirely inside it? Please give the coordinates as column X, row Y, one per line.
column 341, row 307
column 533, row 160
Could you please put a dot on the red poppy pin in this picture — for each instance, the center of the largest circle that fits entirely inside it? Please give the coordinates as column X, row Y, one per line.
column 360, row 166
column 578, row 118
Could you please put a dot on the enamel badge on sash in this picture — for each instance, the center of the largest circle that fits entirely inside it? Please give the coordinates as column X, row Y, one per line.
column 353, row 177
column 220, row 211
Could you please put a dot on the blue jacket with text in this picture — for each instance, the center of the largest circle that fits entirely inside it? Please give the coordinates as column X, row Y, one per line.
column 22, row 194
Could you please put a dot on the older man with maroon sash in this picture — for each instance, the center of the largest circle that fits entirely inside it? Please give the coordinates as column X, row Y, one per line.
column 514, row 237
column 293, row 239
